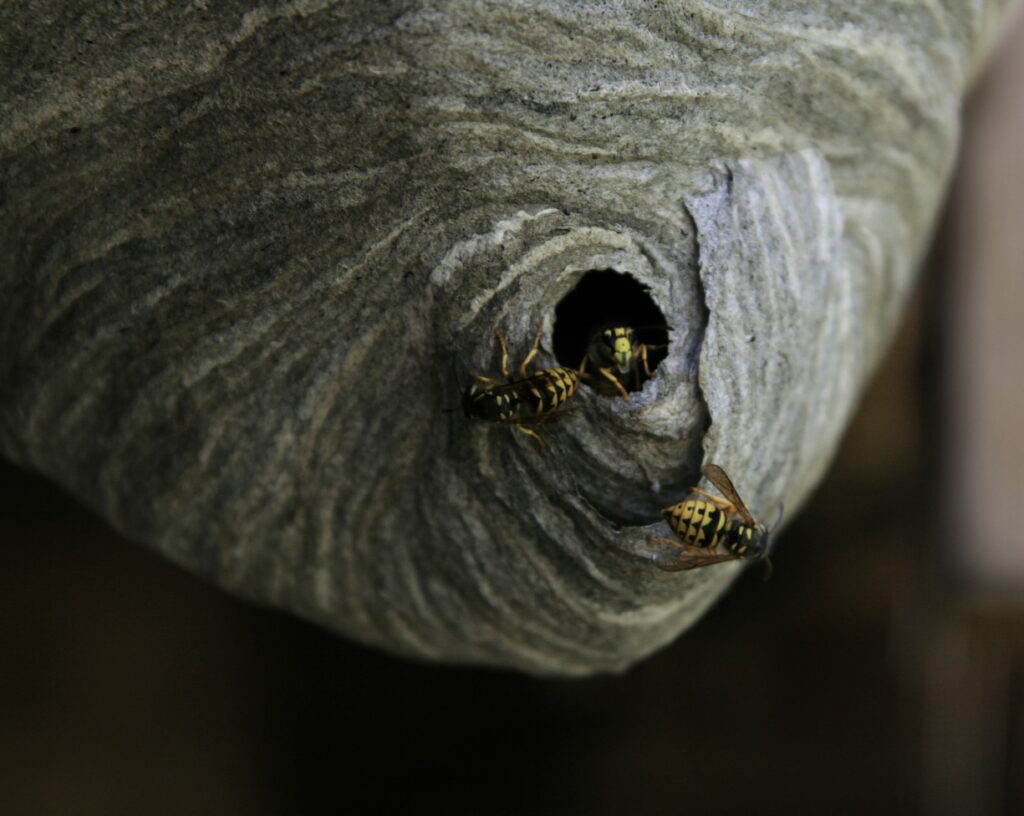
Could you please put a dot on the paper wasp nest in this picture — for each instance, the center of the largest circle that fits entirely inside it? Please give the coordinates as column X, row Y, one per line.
column 251, row 255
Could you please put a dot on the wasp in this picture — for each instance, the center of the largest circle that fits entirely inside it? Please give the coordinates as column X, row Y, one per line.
column 616, row 353
column 712, row 529
column 530, row 400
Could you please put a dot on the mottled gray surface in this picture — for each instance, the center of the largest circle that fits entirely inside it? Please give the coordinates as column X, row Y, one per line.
column 249, row 252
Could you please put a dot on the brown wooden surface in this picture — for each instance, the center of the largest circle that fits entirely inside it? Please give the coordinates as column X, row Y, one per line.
column 968, row 631
column 985, row 324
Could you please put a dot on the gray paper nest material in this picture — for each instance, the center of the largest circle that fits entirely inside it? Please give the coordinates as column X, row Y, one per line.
column 250, row 250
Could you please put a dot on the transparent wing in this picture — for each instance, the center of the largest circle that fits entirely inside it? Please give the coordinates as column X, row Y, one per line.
column 718, row 477
column 678, row 557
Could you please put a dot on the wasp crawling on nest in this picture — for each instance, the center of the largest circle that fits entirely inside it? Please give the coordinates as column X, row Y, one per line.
column 712, row 529
column 530, row 400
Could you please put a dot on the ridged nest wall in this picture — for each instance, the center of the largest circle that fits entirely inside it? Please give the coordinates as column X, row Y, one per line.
column 250, row 253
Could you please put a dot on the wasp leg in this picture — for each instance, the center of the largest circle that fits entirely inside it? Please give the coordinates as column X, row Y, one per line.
column 533, row 350
column 643, row 359
column 637, row 382
column 583, row 366
column 504, row 354
column 481, row 378
column 607, row 373
column 534, row 434
column 718, row 501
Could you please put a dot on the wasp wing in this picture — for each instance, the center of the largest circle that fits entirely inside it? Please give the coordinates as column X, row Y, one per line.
column 718, row 477
column 686, row 556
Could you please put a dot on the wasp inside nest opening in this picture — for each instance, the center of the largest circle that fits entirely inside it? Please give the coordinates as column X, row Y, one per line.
column 609, row 327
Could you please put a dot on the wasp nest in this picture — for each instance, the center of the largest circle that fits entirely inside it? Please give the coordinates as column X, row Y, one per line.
column 251, row 257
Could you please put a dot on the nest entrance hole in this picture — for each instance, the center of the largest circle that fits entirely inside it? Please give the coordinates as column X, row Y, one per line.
column 602, row 298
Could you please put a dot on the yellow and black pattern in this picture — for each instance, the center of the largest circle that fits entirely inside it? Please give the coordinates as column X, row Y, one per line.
column 522, row 400
column 703, row 524
column 623, row 345
column 696, row 522
column 711, row 530
column 531, row 399
column 552, row 388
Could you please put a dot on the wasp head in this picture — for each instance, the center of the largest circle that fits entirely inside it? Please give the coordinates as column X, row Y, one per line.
column 472, row 403
column 616, row 346
column 758, row 541
column 482, row 402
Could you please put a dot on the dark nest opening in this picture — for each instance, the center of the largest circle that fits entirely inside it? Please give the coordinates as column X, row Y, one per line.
column 606, row 298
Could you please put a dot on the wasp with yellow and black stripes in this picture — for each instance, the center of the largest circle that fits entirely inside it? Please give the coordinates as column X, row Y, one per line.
column 530, row 400
column 617, row 355
column 711, row 529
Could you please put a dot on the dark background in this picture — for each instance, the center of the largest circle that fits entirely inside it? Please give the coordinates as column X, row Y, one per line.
column 864, row 677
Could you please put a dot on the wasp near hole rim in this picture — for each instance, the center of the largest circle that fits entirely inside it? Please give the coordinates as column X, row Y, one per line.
column 617, row 354
column 530, row 400
column 712, row 529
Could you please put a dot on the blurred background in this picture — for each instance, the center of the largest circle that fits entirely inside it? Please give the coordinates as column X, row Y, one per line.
column 880, row 670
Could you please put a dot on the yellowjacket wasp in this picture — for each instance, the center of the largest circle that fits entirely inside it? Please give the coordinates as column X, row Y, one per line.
column 530, row 400
column 712, row 529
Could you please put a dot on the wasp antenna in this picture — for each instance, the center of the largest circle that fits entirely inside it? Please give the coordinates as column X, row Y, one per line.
column 456, row 364
column 653, row 326
column 767, row 559
column 778, row 518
